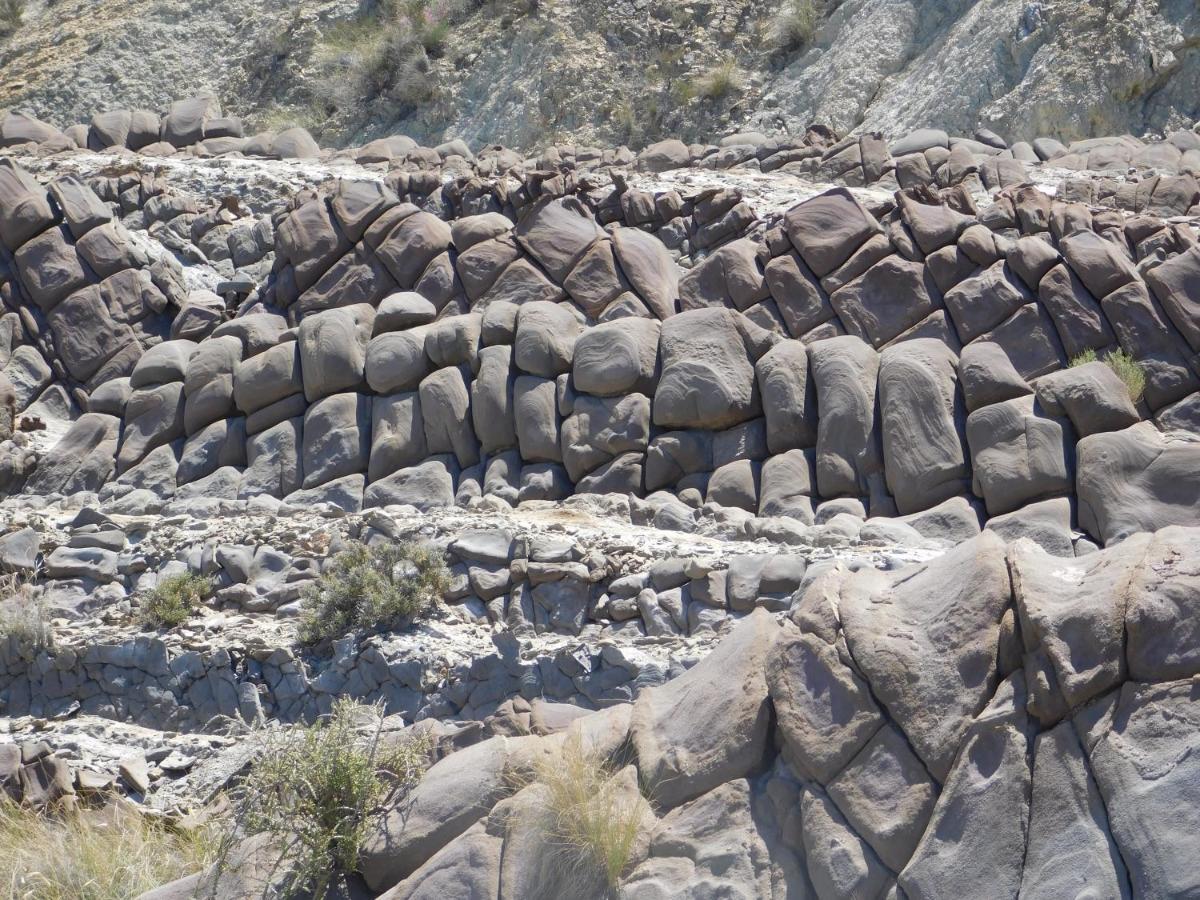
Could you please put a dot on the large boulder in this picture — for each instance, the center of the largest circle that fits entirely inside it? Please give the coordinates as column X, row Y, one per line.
column 845, row 372
column 1145, row 760
column 891, row 297
column 922, row 423
column 827, row 229
column 337, row 438
column 446, row 413
column 1092, row 396
column 926, row 639
column 648, row 266
column 709, row 725
column 545, row 339
column 1070, row 849
column 333, row 350
column 789, row 398
column 556, row 231
column 1138, row 479
column 975, row 843
column 1019, row 454
column 707, row 376
column 455, row 793
column 616, row 358
column 823, row 708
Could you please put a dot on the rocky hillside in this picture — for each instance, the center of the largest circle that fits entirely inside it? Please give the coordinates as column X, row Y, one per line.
column 782, row 517
column 530, row 72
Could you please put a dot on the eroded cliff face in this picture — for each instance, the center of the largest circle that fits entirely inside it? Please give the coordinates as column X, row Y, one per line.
column 628, row 71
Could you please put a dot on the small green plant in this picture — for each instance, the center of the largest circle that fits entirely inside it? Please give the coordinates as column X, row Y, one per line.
column 12, row 16
column 173, row 600
column 1128, row 369
column 589, row 819
column 376, row 587
column 313, row 787
column 720, row 81
column 82, row 855
column 795, row 25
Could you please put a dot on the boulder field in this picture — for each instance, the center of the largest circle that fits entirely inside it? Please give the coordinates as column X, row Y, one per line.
column 859, row 537
column 996, row 722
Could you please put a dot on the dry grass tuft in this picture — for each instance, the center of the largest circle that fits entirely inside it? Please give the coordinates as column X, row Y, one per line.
column 86, row 856
column 795, row 25
column 589, row 819
column 720, row 81
column 1128, row 369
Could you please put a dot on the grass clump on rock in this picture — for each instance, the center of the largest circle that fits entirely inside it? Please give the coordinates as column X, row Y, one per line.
column 85, row 855
column 313, row 787
column 588, row 816
column 796, row 25
column 25, row 620
column 173, row 600
column 383, row 586
column 1128, row 369
column 720, row 81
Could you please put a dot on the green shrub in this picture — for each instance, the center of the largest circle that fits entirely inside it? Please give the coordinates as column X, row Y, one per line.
column 313, row 787
column 173, row 600
column 589, row 820
column 369, row 588
column 84, row 856
column 1128, row 369
column 720, row 81
column 795, row 25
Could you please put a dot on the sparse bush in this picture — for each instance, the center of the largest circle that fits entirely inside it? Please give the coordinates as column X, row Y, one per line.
column 313, row 787
column 795, row 25
column 367, row 588
column 173, row 600
column 720, row 81
column 85, row 856
column 12, row 16
column 589, row 818
column 383, row 56
column 1128, row 369
column 23, row 617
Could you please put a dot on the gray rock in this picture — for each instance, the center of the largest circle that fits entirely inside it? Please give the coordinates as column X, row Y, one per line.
column 446, row 413
column 987, row 376
column 1136, row 480
column 975, row 842
column 932, row 680
column 707, row 378
column 617, row 358
column 1145, row 765
column 840, row 863
column 1093, row 396
column 1070, row 849
column 824, row 709
column 844, row 370
column 886, row 795
column 788, row 397
column 1046, row 523
column 1019, row 454
column 333, row 350
column 709, row 725
column 337, row 438
column 922, row 422
column 545, row 339
column 427, row 485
